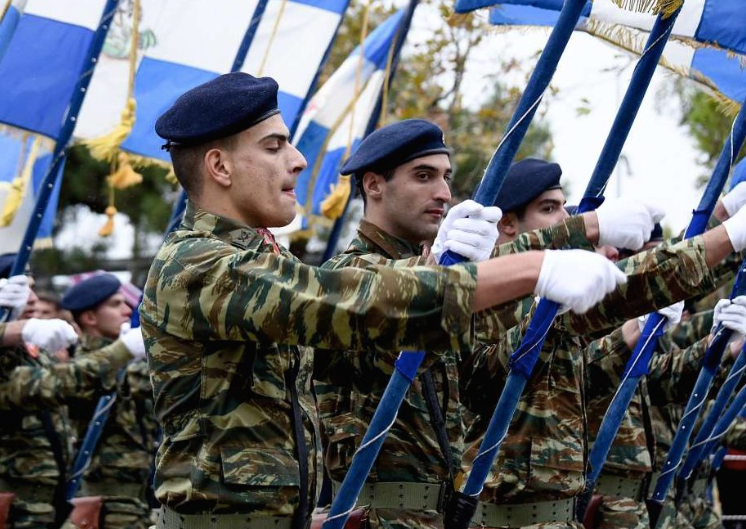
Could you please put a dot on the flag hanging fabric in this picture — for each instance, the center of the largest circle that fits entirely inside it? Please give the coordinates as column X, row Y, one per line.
column 24, row 160
column 42, row 61
column 329, row 120
column 184, row 43
column 720, row 70
column 721, row 23
column 9, row 22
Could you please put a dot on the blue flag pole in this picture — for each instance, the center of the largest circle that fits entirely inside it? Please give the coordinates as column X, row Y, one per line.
column 698, row 450
column 710, row 365
column 637, row 365
column 408, row 362
column 401, row 36
column 737, row 410
column 524, row 358
column 63, row 138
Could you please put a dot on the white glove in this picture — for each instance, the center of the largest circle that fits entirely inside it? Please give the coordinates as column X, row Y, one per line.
column 470, row 230
column 627, row 222
column 672, row 313
column 732, row 314
column 735, row 199
column 50, row 335
column 14, row 293
column 736, row 228
column 132, row 340
column 577, row 279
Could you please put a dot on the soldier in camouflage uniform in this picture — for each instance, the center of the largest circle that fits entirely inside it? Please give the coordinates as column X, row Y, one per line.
column 404, row 182
column 35, row 432
column 541, row 465
column 119, row 467
column 226, row 313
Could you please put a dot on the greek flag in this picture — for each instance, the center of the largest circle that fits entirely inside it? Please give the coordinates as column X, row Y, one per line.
column 42, row 61
column 718, row 22
column 183, row 43
column 329, row 121
column 24, row 160
column 718, row 69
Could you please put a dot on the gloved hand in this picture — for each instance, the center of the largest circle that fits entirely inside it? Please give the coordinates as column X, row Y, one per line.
column 735, row 199
column 470, row 230
column 50, row 335
column 732, row 314
column 672, row 314
column 14, row 293
column 132, row 340
column 577, row 279
column 627, row 222
column 736, row 228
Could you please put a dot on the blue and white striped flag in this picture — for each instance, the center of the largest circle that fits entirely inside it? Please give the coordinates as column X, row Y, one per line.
column 41, row 64
column 718, row 69
column 718, row 22
column 184, row 43
column 24, row 160
column 329, row 123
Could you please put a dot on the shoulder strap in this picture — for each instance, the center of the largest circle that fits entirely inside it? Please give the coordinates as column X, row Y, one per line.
column 436, row 416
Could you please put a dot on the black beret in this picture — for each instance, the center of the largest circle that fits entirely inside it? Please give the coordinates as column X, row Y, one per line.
column 6, row 263
column 90, row 292
column 525, row 181
column 394, row 145
column 227, row 105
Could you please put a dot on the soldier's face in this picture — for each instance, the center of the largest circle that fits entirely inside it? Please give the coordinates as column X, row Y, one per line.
column 544, row 211
column 415, row 197
column 106, row 320
column 264, row 169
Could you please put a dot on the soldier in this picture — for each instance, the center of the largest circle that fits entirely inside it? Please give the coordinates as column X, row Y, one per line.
column 403, row 173
column 541, row 464
column 35, row 434
column 226, row 312
column 119, row 467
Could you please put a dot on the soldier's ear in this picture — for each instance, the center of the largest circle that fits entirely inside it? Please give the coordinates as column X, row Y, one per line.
column 88, row 318
column 217, row 167
column 373, row 185
column 508, row 225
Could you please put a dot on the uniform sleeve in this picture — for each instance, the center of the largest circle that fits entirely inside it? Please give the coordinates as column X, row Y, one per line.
column 606, row 359
column 85, row 377
column 492, row 323
column 211, row 291
column 655, row 279
column 674, row 371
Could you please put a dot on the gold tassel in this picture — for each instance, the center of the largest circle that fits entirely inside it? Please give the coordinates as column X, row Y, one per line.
column 125, row 176
column 108, row 228
column 334, row 204
column 18, row 188
column 106, row 147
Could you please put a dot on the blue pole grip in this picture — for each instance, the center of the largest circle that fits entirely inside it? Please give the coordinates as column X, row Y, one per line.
column 736, row 409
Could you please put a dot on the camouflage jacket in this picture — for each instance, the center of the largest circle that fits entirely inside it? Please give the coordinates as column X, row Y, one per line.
column 32, row 385
column 225, row 315
column 123, row 452
column 411, row 451
column 544, row 454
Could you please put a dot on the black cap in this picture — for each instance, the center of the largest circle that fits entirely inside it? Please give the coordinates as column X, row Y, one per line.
column 394, row 145
column 525, row 181
column 91, row 292
column 227, row 105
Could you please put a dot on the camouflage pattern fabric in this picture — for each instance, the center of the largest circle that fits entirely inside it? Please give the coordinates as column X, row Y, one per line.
column 623, row 513
column 699, row 513
column 544, row 454
column 123, row 454
column 225, row 318
column 30, row 383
